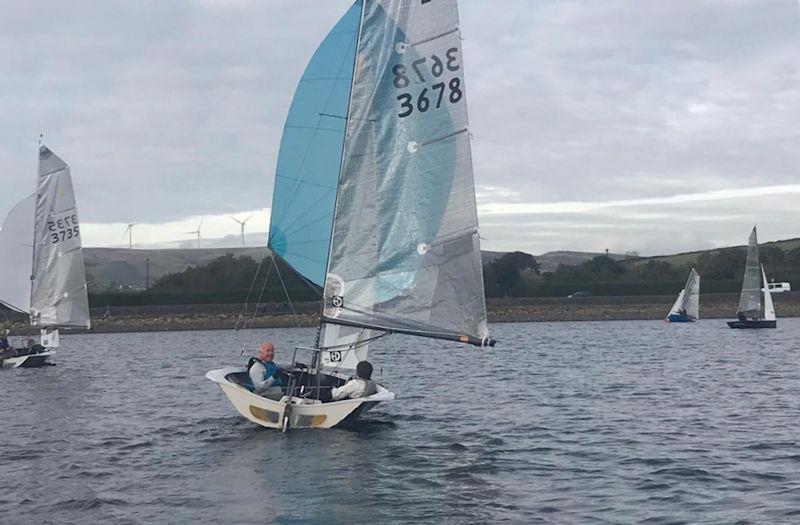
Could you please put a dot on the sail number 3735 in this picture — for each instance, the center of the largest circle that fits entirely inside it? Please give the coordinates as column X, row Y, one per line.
column 63, row 228
column 428, row 69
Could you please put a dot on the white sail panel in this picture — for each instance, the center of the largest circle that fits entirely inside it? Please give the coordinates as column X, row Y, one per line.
column 677, row 306
column 769, row 308
column 691, row 299
column 750, row 298
column 405, row 254
column 58, row 295
column 16, row 256
column 345, row 346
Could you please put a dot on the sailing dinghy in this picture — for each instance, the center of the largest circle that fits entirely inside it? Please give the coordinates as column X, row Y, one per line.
column 686, row 308
column 42, row 263
column 753, row 312
column 374, row 204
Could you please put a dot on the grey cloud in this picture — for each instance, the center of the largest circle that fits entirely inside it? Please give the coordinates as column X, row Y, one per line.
column 171, row 109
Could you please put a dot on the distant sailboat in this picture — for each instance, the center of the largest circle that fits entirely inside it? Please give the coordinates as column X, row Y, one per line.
column 753, row 312
column 41, row 262
column 374, row 202
column 687, row 306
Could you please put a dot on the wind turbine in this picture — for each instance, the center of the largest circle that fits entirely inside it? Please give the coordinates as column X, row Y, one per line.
column 197, row 232
column 242, row 223
column 129, row 232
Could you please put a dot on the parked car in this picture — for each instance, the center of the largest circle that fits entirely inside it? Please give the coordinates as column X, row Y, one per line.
column 780, row 287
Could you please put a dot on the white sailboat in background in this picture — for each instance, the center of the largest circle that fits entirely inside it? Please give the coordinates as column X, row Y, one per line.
column 374, row 203
column 686, row 308
column 42, row 262
column 753, row 312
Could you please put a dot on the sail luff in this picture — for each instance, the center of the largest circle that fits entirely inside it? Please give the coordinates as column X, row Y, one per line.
column 332, row 335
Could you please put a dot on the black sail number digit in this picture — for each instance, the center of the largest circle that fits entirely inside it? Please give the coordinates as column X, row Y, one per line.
column 455, row 90
column 415, row 65
column 423, row 103
column 405, row 103
column 451, row 59
column 400, row 79
column 440, row 87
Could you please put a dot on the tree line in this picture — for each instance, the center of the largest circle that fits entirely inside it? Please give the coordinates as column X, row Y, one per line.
column 230, row 279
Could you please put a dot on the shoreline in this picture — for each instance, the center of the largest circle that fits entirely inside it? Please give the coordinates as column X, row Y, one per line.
column 505, row 310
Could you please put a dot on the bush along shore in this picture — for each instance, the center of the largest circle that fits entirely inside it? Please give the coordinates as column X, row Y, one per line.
column 279, row 315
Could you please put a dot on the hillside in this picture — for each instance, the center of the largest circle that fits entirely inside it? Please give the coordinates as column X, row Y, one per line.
column 680, row 259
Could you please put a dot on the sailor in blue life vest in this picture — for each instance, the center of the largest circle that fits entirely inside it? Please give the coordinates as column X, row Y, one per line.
column 360, row 386
column 265, row 374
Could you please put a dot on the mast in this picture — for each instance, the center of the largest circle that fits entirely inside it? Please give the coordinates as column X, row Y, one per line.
column 320, row 326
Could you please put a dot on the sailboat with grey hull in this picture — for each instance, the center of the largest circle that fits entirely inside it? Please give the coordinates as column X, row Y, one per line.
column 756, row 309
column 374, row 203
column 42, row 263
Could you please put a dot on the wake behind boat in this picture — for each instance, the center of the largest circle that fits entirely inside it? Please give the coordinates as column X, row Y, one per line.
column 753, row 311
column 42, row 263
column 374, row 204
column 686, row 308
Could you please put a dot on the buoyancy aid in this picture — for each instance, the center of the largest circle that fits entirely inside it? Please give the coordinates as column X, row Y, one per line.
column 270, row 370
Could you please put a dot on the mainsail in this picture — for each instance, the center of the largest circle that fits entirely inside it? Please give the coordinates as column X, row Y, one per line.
column 769, row 308
column 750, row 299
column 692, row 296
column 58, row 286
column 16, row 254
column 405, row 254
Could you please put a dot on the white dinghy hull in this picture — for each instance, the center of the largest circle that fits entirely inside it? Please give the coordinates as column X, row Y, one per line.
column 304, row 413
column 28, row 361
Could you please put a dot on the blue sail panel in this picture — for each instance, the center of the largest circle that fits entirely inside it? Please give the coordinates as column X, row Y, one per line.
column 310, row 155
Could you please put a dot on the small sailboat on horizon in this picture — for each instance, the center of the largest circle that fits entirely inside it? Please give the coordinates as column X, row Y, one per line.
column 42, row 267
column 756, row 309
column 374, row 204
column 686, row 308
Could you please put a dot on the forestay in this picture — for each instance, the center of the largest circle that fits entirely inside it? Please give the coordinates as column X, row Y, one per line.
column 58, row 295
column 405, row 253
column 311, row 152
column 16, row 256
column 750, row 299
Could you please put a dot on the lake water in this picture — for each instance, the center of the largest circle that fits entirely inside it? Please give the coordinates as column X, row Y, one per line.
column 590, row 422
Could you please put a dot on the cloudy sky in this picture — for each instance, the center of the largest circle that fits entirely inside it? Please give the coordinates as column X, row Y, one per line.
column 648, row 125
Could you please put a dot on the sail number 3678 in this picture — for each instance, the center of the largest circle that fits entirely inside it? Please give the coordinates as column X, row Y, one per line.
column 428, row 69
column 63, row 229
